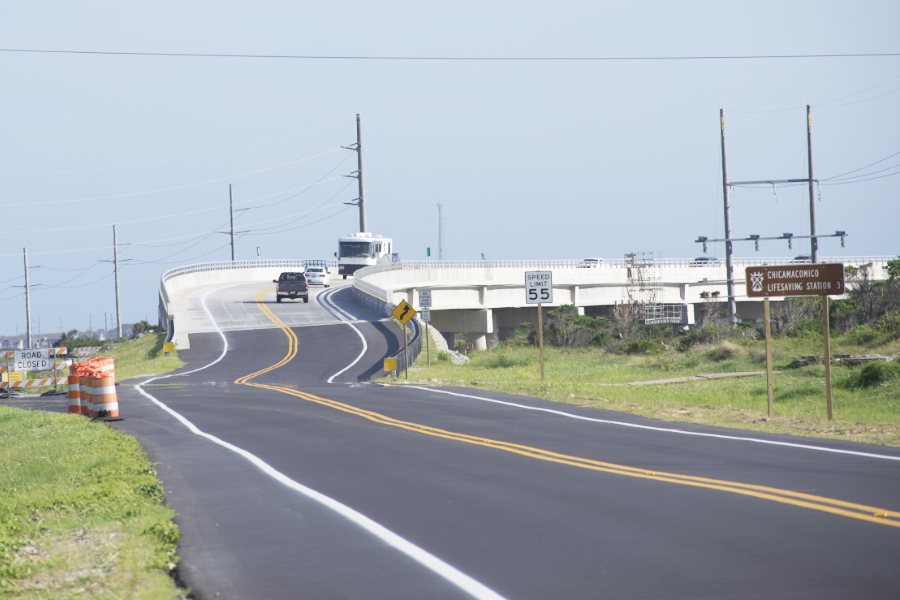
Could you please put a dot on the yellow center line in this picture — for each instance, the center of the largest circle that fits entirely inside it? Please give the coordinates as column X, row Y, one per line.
column 799, row 499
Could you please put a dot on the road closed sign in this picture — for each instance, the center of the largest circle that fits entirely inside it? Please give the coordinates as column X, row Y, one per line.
column 31, row 360
column 538, row 287
column 773, row 281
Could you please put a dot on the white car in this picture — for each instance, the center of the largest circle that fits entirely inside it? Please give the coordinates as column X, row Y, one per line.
column 318, row 276
column 591, row 263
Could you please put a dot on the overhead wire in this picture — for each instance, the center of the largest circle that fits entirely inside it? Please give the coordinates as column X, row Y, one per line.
column 453, row 58
column 158, row 162
column 167, row 189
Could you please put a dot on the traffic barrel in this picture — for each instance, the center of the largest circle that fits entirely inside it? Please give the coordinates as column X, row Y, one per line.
column 89, row 380
column 74, row 395
column 83, row 394
column 106, row 403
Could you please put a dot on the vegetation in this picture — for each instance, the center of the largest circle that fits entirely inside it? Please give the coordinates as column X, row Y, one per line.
column 585, row 356
column 142, row 356
column 81, row 512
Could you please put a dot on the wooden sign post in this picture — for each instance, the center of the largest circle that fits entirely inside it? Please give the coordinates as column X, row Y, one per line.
column 797, row 280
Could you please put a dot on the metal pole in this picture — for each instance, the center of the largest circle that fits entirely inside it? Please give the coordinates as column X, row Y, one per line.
column 116, row 262
column 814, row 254
column 770, row 383
column 27, row 300
column 231, row 200
column 541, row 338
column 729, row 259
column 362, row 183
column 826, row 326
column 427, row 348
column 405, row 350
column 440, row 207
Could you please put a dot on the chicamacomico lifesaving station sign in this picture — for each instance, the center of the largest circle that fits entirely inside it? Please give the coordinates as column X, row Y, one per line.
column 795, row 280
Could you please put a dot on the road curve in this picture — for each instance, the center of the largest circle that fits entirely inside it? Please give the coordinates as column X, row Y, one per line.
column 289, row 486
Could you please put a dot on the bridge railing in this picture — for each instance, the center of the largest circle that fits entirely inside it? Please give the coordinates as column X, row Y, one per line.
column 227, row 265
column 616, row 263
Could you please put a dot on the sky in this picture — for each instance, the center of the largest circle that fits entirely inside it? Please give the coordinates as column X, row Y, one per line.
column 550, row 159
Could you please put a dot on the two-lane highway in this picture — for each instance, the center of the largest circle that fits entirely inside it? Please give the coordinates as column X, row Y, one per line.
column 290, row 486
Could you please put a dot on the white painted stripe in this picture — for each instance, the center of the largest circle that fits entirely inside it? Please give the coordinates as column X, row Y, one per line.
column 662, row 429
column 365, row 346
column 424, row 558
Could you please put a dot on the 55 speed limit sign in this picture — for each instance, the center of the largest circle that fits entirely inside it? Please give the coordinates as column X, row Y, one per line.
column 538, row 287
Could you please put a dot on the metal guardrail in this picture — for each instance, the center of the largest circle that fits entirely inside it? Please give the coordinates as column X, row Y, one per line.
column 606, row 264
column 415, row 347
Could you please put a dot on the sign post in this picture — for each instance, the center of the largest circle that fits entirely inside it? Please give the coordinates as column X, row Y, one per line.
column 539, row 289
column 797, row 280
column 770, row 384
column 425, row 305
column 403, row 313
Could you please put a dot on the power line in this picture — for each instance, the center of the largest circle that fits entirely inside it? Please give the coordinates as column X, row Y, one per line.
column 177, row 187
column 451, row 58
column 865, row 167
column 165, row 160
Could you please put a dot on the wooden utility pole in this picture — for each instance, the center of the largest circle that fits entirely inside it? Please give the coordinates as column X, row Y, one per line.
column 826, row 327
column 814, row 250
column 770, row 383
column 361, row 176
column 541, row 337
column 27, row 300
column 116, row 262
column 729, row 253
column 231, row 201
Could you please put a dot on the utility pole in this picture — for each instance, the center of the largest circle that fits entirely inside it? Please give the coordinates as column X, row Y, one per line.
column 359, row 174
column 27, row 299
column 231, row 199
column 729, row 258
column 814, row 254
column 362, row 181
column 440, row 207
column 116, row 262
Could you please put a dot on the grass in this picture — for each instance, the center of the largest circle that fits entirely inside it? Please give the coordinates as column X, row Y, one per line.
column 81, row 512
column 866, row 414
column 135, row 357
column 143, row 356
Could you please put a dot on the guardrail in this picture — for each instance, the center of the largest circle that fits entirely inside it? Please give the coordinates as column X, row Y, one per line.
column 414, row 345
column 616, row 263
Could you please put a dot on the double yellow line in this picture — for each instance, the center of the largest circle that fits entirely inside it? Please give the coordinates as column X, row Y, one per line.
column 820, row 503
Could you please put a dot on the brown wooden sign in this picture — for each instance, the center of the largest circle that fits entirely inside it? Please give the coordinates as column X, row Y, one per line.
column 795, row 280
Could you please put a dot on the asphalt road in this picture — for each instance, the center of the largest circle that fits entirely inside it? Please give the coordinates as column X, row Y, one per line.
column 291, row 487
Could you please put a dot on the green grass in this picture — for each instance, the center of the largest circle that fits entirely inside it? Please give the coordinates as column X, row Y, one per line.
column 81, row 512
column 862, row 413
column 144, row 356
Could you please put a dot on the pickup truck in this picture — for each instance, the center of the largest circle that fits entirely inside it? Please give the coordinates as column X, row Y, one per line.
column 291, row 285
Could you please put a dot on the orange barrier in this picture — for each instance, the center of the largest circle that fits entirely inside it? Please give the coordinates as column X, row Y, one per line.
column 74, row 395
column 96, row 388
column 106, row 404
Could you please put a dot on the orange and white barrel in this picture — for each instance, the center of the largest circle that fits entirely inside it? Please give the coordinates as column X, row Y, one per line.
column 74, row 395
column 83, row 393
column 108, row 367
column 106, row 404
column 90, row 395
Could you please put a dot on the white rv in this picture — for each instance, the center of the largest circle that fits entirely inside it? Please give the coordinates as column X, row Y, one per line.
column 359, row 250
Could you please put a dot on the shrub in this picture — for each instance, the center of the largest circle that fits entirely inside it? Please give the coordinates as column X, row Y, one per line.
column 873, row 374
column 862, row 334
column 640, row 347
column 724, row 351
column 708, row 334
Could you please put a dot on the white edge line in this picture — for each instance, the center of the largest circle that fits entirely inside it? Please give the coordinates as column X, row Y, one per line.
column 358, row 332
column 423, row 557
column 663, row 429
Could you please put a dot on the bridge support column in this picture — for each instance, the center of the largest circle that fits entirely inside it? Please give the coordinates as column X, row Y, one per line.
column 478, row 340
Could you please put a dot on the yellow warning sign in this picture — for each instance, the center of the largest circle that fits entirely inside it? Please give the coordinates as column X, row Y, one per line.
column 404, row 312
column 13, row 376
column 168, row 347
column 390, row 364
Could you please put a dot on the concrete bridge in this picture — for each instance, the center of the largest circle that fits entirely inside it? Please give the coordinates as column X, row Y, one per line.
column 484, row 301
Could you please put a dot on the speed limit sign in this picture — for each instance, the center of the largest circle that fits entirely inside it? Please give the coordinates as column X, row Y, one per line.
column 538, row 287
